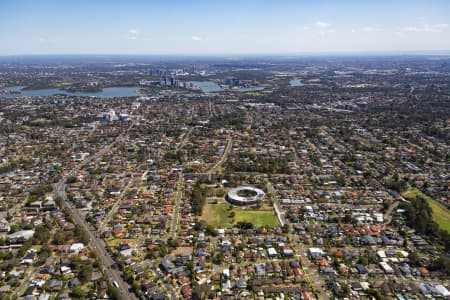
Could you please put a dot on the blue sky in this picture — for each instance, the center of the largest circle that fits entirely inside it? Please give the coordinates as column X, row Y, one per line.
column 221, row 27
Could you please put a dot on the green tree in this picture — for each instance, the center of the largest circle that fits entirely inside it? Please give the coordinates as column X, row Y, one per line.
column 59, row 237
column 163, row 250
column 77, row 293
column 82, row 235
column 41, row 234
column 136, row 287
column 211, row 230
column 71, row 179
column 45, row 252
column 85, row 273
column 218, row 259
column 113, row 292
column 58, row 201
column 375, row 294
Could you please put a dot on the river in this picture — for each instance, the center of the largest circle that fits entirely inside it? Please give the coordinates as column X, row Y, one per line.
column 110, row 92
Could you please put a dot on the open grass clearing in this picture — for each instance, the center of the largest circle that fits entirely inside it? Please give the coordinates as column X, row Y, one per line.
column 218, row 215
column 441, row 215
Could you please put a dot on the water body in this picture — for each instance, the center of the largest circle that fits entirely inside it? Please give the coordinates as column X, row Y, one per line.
column 250, row 89
column 212, row 87
column 110, row 92
column 207, row 86
column 296, row 82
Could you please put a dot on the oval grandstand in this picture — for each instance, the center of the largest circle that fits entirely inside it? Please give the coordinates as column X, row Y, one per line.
column 234, row 198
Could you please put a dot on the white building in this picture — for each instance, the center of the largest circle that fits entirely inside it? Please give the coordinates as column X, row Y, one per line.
column 25, row 234
column 386, row 268
column 76, row 247
column 226, row 273
column 315, row 252
column 66, row 270
column 271, row 252
column 442, row 290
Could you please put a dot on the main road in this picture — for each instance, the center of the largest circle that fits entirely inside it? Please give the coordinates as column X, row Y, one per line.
column 108, row 217
column 276, row 204
column 96, row 242
column 388, row 213
column 224, row 157
column 176, row 213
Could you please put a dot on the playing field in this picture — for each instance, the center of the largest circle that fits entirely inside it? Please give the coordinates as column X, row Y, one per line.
column 441, row 215
column 257, row 218
column 218, row 215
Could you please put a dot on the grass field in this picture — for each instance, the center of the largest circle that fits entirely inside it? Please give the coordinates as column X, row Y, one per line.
column 217, row 215
column 257, row 218
column 441, row 215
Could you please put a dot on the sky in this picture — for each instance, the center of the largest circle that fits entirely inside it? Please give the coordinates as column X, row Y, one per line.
column 213, row 27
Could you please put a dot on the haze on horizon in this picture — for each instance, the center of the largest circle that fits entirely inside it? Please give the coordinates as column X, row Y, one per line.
column 222, row 27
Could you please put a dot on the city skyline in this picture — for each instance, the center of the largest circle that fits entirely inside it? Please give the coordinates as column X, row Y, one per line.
column 232, row 27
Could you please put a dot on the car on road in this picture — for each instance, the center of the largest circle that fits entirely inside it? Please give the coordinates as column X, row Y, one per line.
column 115, row 284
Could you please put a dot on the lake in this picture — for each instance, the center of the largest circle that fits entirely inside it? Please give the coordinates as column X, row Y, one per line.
column 109, row 92
column 249, row 89
column 296, row 82
column 211, row 87
column 207, row 86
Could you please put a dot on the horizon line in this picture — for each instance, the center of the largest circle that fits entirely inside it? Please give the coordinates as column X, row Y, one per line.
column 305, row 53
